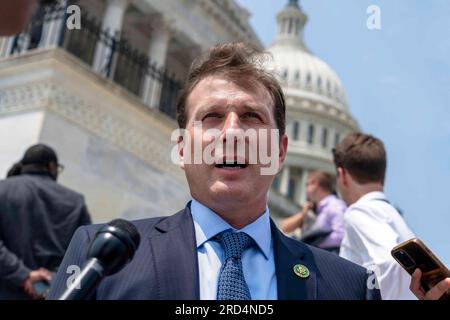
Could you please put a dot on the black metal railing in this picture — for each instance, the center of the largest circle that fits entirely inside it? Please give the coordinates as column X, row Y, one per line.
column 82, row 43
column 117, row 59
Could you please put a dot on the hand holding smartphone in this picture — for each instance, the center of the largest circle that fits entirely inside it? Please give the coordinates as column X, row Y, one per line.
column 413, row 254
column 41, row 288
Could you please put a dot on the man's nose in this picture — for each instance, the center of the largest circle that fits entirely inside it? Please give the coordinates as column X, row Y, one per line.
column 232, row 128
column 232, row 123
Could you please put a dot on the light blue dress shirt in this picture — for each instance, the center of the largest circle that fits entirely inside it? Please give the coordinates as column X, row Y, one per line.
column 258, row 261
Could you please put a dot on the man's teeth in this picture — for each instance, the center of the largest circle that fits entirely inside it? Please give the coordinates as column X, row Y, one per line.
column 231, row 165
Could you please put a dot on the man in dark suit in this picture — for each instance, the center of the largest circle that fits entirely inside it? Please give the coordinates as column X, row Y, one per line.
column 223, row 244
column 38, row 217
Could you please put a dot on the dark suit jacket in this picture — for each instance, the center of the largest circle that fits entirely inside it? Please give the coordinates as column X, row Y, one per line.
column 165, row 266
column 37, row 220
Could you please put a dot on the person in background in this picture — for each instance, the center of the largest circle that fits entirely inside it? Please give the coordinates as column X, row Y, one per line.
column 15, row 170
column 328, row 229
column 38, row 217
column 372, row 225
column 299, row 223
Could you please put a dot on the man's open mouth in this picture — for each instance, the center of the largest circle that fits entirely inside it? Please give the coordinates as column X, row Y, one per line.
column 231, row 165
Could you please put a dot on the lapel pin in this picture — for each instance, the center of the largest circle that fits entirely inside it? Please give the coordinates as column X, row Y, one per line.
column 301, row 271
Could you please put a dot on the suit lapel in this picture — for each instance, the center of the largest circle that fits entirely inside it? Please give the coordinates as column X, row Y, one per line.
column 175, row 260
column 288, row 253
column 175, row 257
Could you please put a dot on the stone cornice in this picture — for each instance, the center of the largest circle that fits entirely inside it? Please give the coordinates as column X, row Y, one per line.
column 321, row 110
column 229, row 17
column 50, row 96
column 308, row 160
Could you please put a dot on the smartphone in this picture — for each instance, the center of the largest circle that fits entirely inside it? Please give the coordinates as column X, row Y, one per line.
column 41, row 288
column 414, row 254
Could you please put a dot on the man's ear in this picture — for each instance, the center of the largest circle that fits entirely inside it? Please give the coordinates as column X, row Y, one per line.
column 181, row 144
column 283, row 150
column 343, row 175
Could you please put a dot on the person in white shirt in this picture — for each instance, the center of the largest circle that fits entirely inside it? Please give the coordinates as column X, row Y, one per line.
column 372, row 225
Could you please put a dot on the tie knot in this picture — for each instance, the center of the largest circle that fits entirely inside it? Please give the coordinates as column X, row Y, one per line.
column 234, row 243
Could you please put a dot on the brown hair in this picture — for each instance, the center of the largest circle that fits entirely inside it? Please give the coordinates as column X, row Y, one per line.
column 363, row 156
column 243, row 66
column 325, row 180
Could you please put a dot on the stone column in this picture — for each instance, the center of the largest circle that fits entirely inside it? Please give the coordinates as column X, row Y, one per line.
column 299, row 190
column 5, row 46
column 112, row 24
column 52, row 29
column 290, row 130
column 303, row 182
column 157, row 54
column 284, row 182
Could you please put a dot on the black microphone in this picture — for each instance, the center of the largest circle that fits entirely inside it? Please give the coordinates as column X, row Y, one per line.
column 113, row 247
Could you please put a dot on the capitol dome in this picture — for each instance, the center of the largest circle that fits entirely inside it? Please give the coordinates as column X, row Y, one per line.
column 298, row 69
column 317, row 112
column 307, row 75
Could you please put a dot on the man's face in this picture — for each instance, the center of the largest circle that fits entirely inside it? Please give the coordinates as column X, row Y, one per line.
column 311, row 189
column 216, row 103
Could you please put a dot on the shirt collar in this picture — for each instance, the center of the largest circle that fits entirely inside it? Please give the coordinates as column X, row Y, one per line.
column 324, row 202
column 208, row 224
column 373, row 196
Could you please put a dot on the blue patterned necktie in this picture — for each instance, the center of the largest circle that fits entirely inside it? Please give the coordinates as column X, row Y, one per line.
column 232, row 285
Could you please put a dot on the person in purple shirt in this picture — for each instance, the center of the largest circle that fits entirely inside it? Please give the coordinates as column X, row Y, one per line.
column 328, row 229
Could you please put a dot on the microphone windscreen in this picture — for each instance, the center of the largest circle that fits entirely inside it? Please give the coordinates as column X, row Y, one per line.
column 129, row 228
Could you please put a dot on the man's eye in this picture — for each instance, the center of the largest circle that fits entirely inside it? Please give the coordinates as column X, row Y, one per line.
column 252, row 115
column 211, row 115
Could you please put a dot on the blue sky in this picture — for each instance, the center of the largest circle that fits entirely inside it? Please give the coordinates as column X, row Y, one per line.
column 398, row 85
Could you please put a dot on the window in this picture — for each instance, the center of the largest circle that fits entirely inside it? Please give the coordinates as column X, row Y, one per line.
column 337, row 138
column 296, row 130
column 319, row 83
column 311, row 134
column 290, row 26
column 324, row 137
column 285, row 25
column 297, row 78
column 285, row 74
column 291, row 189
